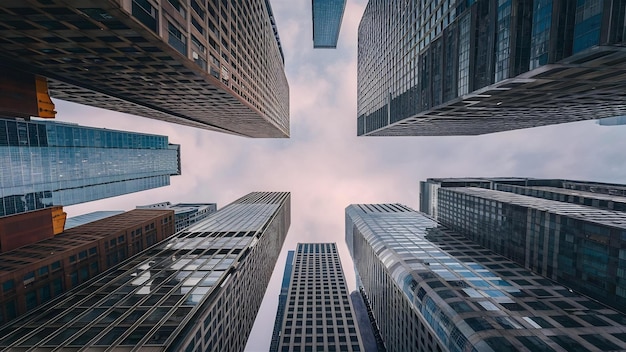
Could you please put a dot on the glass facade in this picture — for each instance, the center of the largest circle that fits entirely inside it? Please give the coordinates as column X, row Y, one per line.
column 432, row 289
column 576, row 245
column 459, row 67
column 282, row 301
column 198, row 291
column 327, row 16
column 50, row 163
column 318, row 313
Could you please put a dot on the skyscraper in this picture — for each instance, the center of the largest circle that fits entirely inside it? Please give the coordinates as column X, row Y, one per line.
column 569, row 231
column 199, row 290
column 209, row 64
column 327, row 17
column 49, row 163
column 282, row 301
column 469, row 67
column 35, row 273
column 431, row 289
column 186, row 214
column 317, row 313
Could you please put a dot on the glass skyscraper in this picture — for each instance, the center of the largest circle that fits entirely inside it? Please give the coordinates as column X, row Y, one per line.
column 186, row 214
column 327, row 17
column 317, row 314
column 49, row 163
column 432, row 289
column 469, row 67
column 197, row 291
column 572, row 232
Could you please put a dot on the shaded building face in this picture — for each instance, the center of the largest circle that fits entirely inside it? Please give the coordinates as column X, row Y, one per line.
column 199, row 290
column 317, row 313
column 215, row 65
column 50, row 163
column 473, row 67
column 468, row 298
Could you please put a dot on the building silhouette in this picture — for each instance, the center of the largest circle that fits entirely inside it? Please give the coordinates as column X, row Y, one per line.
column 216, row 65
column 432, row 289
column 568, row 231
column 33, row 274
column 327, row 17
column 199, row 290
column 428, row 68
column 317, row 313
column 48, row 163
column 186, row 214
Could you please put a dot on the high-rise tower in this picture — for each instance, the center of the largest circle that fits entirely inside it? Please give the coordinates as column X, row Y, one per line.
column 431, row 289
column 318, row 313
column 469, row 67
column 199, row 290
column 327, row 16
column 569, row 231
column 209, row 64
column 48, row 163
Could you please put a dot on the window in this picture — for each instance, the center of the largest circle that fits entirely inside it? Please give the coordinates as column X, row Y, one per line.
column 8, row 285
column 43, row 271
column 29, row 278
column 56, row 265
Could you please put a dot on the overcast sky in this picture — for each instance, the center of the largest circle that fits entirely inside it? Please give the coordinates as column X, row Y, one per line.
column 326, row 167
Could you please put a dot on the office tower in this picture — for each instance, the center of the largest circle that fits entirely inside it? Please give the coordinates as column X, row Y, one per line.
column 568, row 231
column 186, row 214
column 327, row 16
column 435, row 67
column 209, row 64
column 199, row 290
column 33, row 274
column 34, row 226
column 282, row 301
column 318, row 313
column 49, row 163
column 431, row 289
column 79, row 220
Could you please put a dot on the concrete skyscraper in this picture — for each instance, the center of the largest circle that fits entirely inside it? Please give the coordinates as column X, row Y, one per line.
column 569, row 231
column 469, row 67
column 48, row 163
column 327, row 17
column 198, row 291
column 317, row 314
column 209, row 64
column 432, row 289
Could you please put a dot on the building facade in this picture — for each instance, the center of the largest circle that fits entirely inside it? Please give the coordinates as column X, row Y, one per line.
column 469, row 67
column 186, row 214
column 209, row 64
column 30, row 227
column 318, row 313
column 198, row 291
column 33, row 274
column 49, row 163
column 282, row 301
column 432, row 289
column 327, row 17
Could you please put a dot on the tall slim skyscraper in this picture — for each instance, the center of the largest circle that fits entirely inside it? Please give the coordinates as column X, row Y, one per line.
column 209, row 64
column 49, row 163
column 469, row 67
column 569, row 231
column 198, row 291
column 317, row 314
column 431, row 289
column 327, row 16
column 282, row 301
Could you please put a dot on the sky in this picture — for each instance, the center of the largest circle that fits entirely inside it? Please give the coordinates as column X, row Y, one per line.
column 326, row 167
